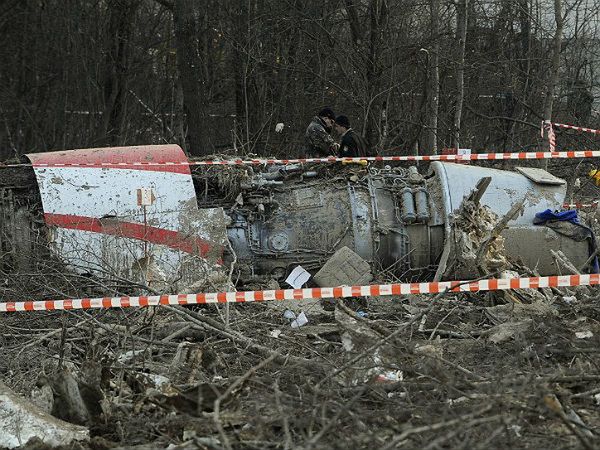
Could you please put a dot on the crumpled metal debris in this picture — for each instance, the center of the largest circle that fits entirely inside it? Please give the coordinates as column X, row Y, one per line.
column 22, row 421
column 473, row 225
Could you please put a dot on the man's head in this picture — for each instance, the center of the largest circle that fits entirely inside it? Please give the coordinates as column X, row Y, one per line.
column 342, row 124
column 328, row 116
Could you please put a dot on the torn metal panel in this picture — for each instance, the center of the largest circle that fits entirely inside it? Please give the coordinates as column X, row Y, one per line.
column 22, row 422
column 505, row 189
column 135, row 221
column 522, row 239
column 540, row 176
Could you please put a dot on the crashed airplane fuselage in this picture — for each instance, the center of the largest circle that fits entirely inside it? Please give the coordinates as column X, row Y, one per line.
column 103, row 212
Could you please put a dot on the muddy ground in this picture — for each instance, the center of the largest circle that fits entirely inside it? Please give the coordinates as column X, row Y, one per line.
column 416, row 372
column 429, row 372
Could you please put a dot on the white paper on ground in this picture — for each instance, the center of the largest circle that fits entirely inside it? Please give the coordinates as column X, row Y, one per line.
column 584, row 334
column 297, row 277
column 289, row 314
column 300, row 320
column 275, row 333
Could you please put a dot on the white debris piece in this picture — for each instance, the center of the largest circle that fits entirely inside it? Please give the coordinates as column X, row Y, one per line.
column 517, row 429
column 21, row 421
column 129, row 355
column 584, row 334
column 289, row 314
column 390, row 376
column 275, row 333
column 300, row 320
column 279, row 127
column 158, row 380
column 297, row 277
column 347, row 342
column 458, row 400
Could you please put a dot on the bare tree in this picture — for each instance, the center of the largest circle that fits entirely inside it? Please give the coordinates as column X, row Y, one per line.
column 119, row 72
column 189, row 62
column 378, row 12
column 554, row 69
column 433, row 84
column 121, row 14
column 461, row 39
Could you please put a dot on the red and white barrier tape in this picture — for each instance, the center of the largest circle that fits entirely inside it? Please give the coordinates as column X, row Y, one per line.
column 303, row 294
column 578, row 205
column 549, row 131
column 573, row 127
column 333, row 159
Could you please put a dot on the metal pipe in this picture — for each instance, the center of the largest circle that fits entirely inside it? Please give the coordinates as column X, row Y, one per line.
column 408, row 206
column 422, row 206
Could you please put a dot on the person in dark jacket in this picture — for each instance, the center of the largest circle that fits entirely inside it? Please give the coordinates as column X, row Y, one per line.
column 318, row 140
column 353, row 144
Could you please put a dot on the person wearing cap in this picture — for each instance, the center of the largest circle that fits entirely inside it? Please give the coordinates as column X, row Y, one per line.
column 352, row 144
column 318, row 141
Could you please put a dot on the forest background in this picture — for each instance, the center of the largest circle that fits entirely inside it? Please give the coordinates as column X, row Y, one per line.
column 216, row 76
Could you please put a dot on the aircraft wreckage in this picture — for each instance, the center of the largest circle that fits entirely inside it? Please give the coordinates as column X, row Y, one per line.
column 171, row 225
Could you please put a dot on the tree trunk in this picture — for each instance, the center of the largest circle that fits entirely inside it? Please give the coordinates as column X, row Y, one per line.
column 523, row 76
column 461, row 38
column 120, row 25
column 239, row 20
column 433, row 85
column 553, row 76
column 378, row 18
column 189, row 63
column 355, row 27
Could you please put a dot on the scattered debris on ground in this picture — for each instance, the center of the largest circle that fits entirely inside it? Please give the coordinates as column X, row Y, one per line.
column 513, row 369
column 415, row 372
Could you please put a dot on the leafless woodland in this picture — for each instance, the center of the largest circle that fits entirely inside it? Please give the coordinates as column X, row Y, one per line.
column 218, row 75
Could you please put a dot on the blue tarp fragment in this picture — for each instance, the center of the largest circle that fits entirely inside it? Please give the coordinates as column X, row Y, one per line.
column 557, row 221
column 548, row 215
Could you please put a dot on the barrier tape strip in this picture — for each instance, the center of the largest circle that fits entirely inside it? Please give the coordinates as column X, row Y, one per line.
column 548, row 131
column 573, row 127
column 307, row 293
column 333, row 159
column 578, row 205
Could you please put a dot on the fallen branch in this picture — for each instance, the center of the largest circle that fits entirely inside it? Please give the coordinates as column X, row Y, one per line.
column 227, row 393
column 589, row 261
column 214, row 326
column 449, row 423
column 334, row 420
